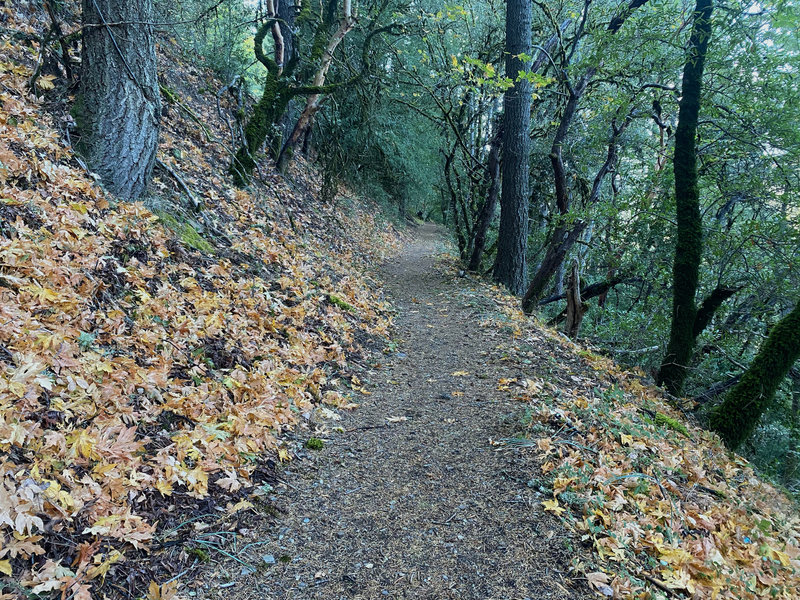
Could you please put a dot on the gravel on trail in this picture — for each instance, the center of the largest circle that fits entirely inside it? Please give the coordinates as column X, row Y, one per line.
column 412, row 500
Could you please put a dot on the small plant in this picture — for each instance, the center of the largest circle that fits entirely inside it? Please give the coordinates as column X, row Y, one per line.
column 86, row 340
column 200, row 554
column 315, row 444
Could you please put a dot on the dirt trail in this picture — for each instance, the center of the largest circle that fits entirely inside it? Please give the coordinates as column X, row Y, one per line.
column 423, row 507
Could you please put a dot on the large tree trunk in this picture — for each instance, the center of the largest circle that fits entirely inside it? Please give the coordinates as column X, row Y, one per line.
column 119, row 107
column 738, row 415
column 510, row 266
column 490, row 204
column 689, row 245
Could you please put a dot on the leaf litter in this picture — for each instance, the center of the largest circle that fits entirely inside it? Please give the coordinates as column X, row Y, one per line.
column 152, row 358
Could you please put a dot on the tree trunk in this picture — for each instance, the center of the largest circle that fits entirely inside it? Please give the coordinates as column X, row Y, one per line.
column 738, row 415
column 262, row 127
column 119, row 108
column 575, row 306
column 510, row 267
column 313, row 102
column 689, row 245
column 488, row 209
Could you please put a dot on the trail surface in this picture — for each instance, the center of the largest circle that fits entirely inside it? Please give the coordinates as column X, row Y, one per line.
column 412, row 500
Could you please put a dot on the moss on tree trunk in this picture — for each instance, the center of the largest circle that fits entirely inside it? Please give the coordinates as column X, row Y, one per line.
column 262, row 127
column 689, row 245
column 738, row 415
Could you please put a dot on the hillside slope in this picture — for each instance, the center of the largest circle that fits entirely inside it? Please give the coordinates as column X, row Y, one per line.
column 151, row 354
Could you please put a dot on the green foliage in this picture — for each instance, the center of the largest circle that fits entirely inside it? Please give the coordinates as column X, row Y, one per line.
column 314, row 444
column 336, row 301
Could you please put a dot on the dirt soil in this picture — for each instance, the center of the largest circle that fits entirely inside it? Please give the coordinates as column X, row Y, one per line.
column 412, row 500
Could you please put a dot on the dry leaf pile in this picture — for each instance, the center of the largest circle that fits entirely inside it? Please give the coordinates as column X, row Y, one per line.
column 146, row 357
column 667, row 510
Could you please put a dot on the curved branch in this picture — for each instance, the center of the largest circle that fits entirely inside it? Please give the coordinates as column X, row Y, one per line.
column 258, row 42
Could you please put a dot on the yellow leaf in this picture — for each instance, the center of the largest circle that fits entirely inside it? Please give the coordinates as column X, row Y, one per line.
column 45, row 82
column 5, row 567
column 625, row 439
column 553, row 506
column 164, row 486
column 460, row 373
column 241, row 505
column 154, row 591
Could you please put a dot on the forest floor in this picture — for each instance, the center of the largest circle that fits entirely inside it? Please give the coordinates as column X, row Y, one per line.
column 412, row 500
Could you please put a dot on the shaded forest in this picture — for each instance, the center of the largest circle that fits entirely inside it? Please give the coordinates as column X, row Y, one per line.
column 627, row 171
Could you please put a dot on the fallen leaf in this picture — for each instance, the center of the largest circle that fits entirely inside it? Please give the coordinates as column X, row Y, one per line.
column 553, row 507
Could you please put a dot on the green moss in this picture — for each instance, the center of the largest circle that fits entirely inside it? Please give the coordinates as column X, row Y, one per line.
column 736, row 418
column 261, row 127
column 304, row 15
column 187, row 234
column 674, row 424
column 169, row 94
column 199, row 553
column 314, row 444
column 336, row 301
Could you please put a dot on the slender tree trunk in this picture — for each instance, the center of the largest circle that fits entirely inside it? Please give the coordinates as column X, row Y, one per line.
column 565, row 236
column 262, row 127
column 689, row 245
column 313, row 102
column 489, row 206
column 510, row 267
column 119, row 108
column 575, row 307
column 738, row 415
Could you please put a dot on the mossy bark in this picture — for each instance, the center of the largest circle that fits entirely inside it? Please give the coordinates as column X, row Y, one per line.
column 689, row 244
column 738, row 415
column 262, row 127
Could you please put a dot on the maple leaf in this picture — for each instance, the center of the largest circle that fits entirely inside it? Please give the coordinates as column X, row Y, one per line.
column 553, row 506
column 599, row 581
column 230, row 482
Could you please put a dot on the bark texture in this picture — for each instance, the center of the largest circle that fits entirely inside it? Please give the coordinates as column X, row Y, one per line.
column 689, row 244
column 119, row 107
column 510, row 266
column 738, row 415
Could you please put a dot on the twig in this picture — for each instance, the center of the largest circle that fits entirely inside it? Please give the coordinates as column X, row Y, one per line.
column 575, row 444
column 195, row 202
column 447, row 522
column 659, row 585
column 181, row 574
column 366, row 428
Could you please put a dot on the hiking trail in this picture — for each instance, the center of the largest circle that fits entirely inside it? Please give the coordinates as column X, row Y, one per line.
column 412, row 500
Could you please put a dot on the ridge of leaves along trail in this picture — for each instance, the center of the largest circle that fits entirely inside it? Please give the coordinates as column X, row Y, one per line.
column 665, row 507
column 144, row 360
